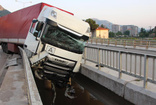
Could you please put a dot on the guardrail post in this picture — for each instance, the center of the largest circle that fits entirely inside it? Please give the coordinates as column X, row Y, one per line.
column 120, row 64
column 124, row 43
column 153, row 69
column 96, row 41
column 101, row 41
column 135, row 64
column 108, row 42
column 99, row 61
column 115, row 42
column 145, row 70
column 140, row 65
column 120, row 42
column 141, row 43
column 134, row 44
column 85, row 55
column 147, row 45
column 126, row 62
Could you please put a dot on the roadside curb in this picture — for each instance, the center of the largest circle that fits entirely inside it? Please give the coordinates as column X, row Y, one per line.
column 131, row 92
column 33, row 94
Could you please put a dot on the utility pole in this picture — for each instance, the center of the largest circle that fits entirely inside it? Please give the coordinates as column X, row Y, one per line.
column 23, row 2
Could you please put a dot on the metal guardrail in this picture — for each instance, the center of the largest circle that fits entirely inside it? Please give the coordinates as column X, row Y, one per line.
column 125, row 42
column 138, row 65
column 33, row 94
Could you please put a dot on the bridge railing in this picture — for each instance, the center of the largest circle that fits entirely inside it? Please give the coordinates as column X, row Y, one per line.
column 138, row 65
column 124, row 42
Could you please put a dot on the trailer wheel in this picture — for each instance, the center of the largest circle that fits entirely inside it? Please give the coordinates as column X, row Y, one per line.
column 5, row 48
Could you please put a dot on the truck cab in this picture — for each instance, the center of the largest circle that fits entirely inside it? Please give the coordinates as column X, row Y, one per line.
column 55, row 44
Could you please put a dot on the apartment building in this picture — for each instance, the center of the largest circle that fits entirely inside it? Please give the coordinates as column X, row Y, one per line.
column 131, row 28
column 115, row 28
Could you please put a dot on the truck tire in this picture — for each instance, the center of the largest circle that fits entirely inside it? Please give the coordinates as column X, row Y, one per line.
column 5, row 48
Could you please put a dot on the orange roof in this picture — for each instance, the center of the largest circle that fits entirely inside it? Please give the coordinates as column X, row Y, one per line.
column 100, row 28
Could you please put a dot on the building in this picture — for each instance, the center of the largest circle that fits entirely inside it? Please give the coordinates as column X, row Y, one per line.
column 101, row 33
column 115, row 28
column 131, row 28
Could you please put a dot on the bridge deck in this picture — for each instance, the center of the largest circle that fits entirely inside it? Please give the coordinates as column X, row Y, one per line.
column 17, row 85
column 13, row 87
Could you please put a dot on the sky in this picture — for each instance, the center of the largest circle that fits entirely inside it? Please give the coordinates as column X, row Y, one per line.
column 141, row 13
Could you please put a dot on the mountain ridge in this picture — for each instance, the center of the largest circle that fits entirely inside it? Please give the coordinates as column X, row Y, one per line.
column 106, row 23
column 3, row 11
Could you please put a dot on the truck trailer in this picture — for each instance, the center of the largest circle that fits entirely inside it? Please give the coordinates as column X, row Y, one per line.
column 52, row 38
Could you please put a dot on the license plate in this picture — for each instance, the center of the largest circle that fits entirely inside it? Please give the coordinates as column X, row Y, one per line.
column 50, row 50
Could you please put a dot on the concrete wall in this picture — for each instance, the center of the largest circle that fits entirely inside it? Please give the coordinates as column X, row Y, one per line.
column 133, row 93
column 32, row 91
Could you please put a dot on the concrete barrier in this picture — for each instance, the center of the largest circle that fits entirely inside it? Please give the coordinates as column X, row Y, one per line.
column 133, row 93
column 33, row 94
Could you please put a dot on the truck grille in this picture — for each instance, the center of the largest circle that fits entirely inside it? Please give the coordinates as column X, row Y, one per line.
column 57, row 69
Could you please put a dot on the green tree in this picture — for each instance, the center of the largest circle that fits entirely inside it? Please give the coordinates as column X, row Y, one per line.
column 102, row 26
column 92, row 23
column 119, row 33
column 143, row 33
column 127, row 32
column 111, row 34
column 143, row 30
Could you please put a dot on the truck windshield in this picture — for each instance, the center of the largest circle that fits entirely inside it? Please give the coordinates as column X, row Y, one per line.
column 62, row 39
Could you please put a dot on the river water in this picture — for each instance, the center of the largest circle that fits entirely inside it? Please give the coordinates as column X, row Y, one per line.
column 82, row 96
column 87, row 92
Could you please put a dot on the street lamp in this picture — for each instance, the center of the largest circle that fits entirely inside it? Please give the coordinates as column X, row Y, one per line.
column 23, row 2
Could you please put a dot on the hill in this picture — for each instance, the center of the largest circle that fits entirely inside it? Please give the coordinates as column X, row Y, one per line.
column 104, row 22
column 3, row 11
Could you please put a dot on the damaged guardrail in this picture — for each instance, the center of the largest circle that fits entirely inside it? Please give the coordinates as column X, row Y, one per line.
column 33, row 94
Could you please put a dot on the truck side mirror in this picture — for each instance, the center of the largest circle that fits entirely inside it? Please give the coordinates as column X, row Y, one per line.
column 39, row 26
column 34, row 20
column 35, row 34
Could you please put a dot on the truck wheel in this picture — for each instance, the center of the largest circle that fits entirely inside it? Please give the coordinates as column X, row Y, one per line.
column 5, row 47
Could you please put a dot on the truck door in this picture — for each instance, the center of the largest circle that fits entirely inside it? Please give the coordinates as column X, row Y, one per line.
column 33, row 37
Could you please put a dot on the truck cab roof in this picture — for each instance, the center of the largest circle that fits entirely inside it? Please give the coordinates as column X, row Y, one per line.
column 65, row 20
